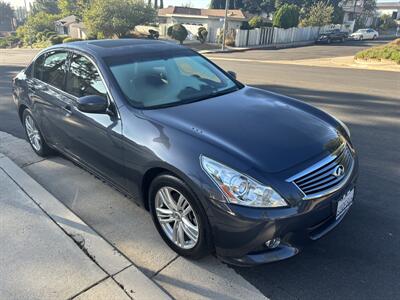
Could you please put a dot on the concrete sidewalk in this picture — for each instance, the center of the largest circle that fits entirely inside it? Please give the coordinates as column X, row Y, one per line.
column 128, row 228
column 47, row 252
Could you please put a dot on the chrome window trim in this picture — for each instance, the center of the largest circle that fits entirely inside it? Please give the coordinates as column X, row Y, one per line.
column 319, row 164
column 72, row 51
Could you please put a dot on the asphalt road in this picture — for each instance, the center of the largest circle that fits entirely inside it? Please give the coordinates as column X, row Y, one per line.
column 359, row 259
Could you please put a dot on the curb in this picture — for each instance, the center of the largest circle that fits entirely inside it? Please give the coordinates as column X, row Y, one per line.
column 108, row 258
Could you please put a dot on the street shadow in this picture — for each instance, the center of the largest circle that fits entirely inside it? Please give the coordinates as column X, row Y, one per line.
column 9, row 120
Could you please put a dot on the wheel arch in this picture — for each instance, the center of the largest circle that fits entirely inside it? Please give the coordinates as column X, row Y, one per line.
column 21, row 110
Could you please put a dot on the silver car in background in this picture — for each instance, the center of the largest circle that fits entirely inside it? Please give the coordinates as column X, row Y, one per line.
column 365, row 34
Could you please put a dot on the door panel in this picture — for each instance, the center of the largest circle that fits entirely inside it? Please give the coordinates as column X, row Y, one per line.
column 49, row 101
column 94, row 138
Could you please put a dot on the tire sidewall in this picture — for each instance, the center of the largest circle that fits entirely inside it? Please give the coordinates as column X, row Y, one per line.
column 203, row 246
column 41, row 152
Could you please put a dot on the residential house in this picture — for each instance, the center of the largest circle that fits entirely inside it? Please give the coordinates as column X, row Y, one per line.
column 72, row 26
column 192, row 18
column 354, row 9
column 389, row 8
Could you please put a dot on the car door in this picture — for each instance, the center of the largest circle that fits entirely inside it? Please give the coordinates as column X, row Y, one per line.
column 48, row 101
column 95, row 138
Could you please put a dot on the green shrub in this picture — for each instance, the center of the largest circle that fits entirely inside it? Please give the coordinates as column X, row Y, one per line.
column 3, row 43
column 49, row 34
column 57, row 39
column 287, row 16
column 390, row 51
column 256, row 22
column 202, row 34
column 387, row 23
column 177, row 32
column 70, row 40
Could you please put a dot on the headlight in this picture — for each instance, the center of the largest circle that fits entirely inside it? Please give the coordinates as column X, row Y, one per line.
column 239, row 188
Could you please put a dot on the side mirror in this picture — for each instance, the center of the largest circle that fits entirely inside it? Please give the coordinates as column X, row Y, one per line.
column 232, row 74
column 93, row 104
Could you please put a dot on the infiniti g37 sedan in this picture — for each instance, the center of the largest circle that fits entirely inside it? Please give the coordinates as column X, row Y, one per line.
column 222, row 168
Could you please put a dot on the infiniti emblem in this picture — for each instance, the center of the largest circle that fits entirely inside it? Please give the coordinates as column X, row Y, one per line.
column 338, row 171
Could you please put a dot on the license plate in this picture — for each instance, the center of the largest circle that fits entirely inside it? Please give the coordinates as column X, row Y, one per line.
column 344, row 203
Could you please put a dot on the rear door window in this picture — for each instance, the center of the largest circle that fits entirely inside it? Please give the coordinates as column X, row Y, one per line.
column 51, row 68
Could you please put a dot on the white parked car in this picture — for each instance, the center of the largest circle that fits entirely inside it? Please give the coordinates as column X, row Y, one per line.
column 365, row 34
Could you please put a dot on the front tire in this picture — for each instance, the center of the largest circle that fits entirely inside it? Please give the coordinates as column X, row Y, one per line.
column 179, row 217
column 34, row 136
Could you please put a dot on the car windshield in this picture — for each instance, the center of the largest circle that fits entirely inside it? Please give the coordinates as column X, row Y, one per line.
column 361, row 30
column 166, row 80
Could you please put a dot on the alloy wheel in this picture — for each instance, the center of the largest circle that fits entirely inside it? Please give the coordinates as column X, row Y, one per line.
column 177, row 217
column 33, row 133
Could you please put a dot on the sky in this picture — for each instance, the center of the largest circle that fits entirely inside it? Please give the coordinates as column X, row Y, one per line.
column 193, row 3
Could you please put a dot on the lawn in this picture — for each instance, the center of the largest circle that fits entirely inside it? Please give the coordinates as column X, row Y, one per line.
column 389, row 51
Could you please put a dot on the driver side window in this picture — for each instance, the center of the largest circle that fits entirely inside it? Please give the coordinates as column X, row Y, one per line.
column 83, row 79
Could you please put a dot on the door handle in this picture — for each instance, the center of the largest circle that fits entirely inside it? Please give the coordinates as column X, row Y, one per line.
column 68, row 108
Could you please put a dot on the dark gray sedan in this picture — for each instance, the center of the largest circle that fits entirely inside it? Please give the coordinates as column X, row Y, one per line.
column 241, row 172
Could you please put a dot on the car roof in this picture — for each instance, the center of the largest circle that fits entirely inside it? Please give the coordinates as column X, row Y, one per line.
column 121, row 47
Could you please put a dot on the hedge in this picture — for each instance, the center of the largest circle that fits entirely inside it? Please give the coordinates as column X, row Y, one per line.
column 390, row 51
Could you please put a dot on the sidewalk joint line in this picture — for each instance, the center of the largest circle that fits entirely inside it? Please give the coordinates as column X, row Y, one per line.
column 89, row 287
column 32, row 163
column 165, row 266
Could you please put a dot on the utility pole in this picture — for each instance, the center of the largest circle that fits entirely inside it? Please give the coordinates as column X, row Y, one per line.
column 225, row 24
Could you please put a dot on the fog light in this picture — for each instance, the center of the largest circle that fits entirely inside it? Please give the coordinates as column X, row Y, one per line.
column 271, row 244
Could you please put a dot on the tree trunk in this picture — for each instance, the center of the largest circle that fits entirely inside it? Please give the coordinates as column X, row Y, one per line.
column 161, row 3
column 155, row 4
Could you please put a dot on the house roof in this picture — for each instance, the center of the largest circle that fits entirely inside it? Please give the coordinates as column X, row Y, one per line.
column 68, row 20
column 189, row 11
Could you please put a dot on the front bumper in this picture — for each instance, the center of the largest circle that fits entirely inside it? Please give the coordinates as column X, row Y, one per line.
column 240, row 232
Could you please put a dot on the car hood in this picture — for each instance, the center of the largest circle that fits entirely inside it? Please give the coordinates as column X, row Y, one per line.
column 261, row 128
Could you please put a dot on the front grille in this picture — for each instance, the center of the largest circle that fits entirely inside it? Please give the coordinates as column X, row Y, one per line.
column 324, row 177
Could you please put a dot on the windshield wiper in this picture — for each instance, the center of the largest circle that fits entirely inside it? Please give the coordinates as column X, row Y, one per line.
column 212, row 95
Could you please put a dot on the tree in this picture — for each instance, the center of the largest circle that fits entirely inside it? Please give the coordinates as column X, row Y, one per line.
column 47, row 6
column 259, row 6
column 38, row 23
column 386, row 22
column 256, row 22
column 287, row 16
column 116, row 17
column 73, row 7
column 177, row 32
column 6, row 13
column 220, row 4
column 320, row 14
column 202, row 34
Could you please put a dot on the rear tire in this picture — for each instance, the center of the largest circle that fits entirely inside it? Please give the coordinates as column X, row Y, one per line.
column 375, row 37
column 183, row 225
column 361, row 38
column 34, row 136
